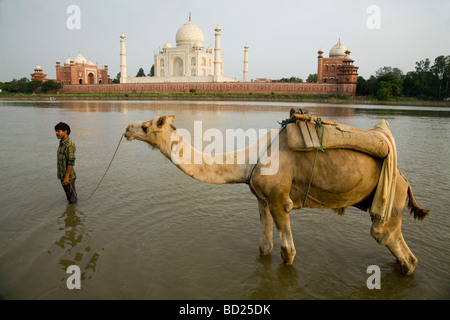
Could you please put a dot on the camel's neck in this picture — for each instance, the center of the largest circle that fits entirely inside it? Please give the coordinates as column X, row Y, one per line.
column 231, row 167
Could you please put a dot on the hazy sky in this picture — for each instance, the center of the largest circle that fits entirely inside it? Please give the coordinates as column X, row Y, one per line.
column 283, row 35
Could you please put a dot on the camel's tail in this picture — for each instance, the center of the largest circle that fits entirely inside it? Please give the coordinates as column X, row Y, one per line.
column 413, row 206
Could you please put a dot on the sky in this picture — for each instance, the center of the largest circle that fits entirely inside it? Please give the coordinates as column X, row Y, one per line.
column 283, row 35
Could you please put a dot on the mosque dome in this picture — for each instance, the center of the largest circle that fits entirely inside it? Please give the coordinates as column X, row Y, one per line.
column 37, row 68
column 167, row 45
column 348, row 57
column 189, row 34
column 68, row 61
column 79, row 59
column 90, row 63
column 338, row 50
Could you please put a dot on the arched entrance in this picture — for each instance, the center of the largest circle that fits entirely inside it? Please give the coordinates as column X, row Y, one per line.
column 91, row 79
column 177, row 67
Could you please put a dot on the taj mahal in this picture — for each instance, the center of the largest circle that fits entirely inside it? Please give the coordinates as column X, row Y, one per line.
column 188, row 61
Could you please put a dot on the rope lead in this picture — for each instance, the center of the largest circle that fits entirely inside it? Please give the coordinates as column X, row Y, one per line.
column 98, row 185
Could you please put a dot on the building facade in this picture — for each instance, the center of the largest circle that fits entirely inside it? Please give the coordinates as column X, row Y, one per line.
column 81, row 71
column 338, row 67
column 39, row 75
column 188, row 61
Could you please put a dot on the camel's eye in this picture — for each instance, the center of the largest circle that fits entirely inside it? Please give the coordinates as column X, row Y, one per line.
column 145, row 128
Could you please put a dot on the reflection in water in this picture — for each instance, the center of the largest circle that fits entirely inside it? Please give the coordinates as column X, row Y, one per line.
column 272, row 281
column 72, row 223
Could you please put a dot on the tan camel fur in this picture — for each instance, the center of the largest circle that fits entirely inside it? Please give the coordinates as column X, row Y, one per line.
column 342, row 178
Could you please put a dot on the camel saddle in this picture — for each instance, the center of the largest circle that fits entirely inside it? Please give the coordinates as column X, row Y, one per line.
column 306, row 132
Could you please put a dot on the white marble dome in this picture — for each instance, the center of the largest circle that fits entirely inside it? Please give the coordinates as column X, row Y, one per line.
column 198, row 44
column 68, row 61
column 79, row 59
column 338, row 50
column 348, row 57
column 189, row 34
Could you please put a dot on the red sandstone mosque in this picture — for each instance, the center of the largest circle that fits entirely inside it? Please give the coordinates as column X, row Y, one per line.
column 338, row 67
column 75, row 72
column 81, row 71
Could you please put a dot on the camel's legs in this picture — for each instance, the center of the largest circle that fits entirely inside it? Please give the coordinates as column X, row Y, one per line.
column 405, row 258
column 266, row 237
column 282, row 222
column 390, row 233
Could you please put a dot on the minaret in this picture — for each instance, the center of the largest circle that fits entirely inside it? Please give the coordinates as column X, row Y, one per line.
column 123, row 60
column 217, row 60
column 320, row 66
column 245, row 77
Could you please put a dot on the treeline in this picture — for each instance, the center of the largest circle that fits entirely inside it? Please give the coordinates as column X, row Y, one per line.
column 427, row 81
column 24, row 85
column 311, row 78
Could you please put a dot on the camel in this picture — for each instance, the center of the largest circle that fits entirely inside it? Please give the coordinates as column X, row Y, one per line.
column 342, row 178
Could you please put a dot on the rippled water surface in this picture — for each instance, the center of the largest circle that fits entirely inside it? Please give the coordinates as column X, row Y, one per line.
column 152, row 232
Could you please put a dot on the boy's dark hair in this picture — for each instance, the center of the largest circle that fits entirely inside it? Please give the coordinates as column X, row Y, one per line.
column 63, row 126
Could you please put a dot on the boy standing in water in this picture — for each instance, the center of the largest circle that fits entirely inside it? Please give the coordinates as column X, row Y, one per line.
column 66, row 161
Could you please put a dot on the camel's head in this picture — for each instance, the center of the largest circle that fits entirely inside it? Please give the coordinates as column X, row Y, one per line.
column 153, row 131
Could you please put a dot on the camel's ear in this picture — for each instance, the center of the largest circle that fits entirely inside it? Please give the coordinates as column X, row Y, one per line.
column 161, row 121
column 172, row 118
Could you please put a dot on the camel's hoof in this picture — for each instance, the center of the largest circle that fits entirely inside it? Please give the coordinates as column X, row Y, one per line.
column 288, row 258
column 407, row 267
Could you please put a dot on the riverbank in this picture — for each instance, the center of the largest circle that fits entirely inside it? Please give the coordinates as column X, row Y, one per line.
column 319, row 98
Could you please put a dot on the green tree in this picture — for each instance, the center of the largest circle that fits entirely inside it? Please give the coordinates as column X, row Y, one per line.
column 312, row 78
column 295, row 79
column 152, row 71
column 117, row 78
column 33, row 86
column 384, row 93
column 291, row 79
column 361, row 86
column 16, row 86
column 389, row 70
column 140, row 73
column 50, row 85
column 411, row 84
column 424, row 77
column 441, row 71
column 391, row 82
column 388, row 89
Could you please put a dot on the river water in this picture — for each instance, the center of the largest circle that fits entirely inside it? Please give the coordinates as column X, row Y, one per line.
column 152, row 232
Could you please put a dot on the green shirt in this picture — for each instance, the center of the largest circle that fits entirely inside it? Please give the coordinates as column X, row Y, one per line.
column 66, row 156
